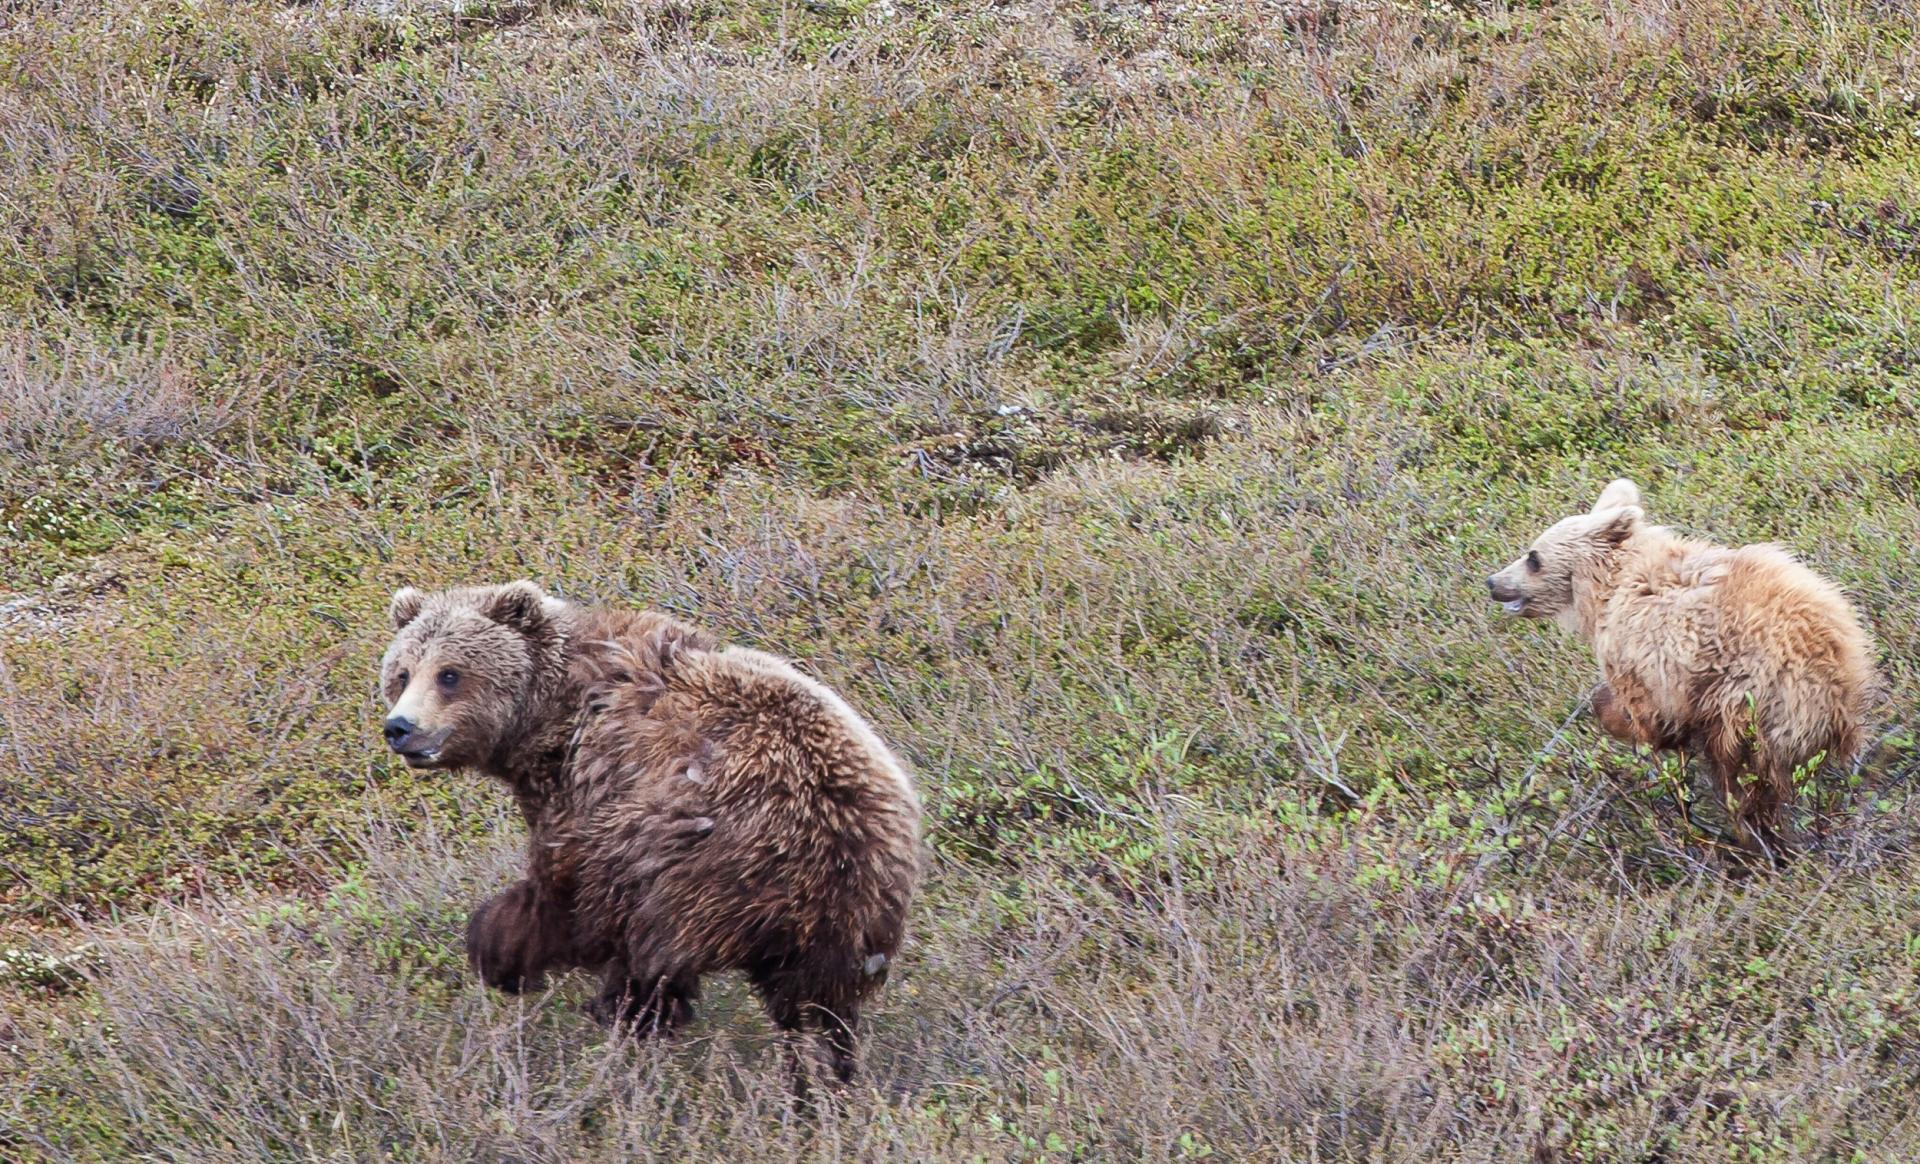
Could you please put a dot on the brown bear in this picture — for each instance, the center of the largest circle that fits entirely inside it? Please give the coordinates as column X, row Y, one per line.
column 693, row 807
column 1743, row 656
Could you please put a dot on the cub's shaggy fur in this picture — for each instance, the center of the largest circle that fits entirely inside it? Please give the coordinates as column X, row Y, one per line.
column 693, row 808
column 1743, row 656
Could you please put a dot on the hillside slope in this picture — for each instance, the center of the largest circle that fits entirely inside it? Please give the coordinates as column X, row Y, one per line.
column 1121, row 403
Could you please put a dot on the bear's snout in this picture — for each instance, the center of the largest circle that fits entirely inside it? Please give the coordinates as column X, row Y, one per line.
column 1506, row 594
column 398, row 728
column 413, row 744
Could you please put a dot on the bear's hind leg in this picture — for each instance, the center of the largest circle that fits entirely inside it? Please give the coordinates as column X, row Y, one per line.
column 802, row 1005
column 1755, row 808
column 838, row 1031
column 781, row 995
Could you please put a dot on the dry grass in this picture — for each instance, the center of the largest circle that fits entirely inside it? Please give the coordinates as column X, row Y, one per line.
column 1288, row 990
column 1122, row 403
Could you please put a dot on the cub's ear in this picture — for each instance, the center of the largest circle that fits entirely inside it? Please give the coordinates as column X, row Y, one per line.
column 520, row 605
column 1618, row 494
column 1617, row 525
column 405, row 606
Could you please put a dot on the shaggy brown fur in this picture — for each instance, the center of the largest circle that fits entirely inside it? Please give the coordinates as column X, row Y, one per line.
column 693, row 808
column 1743, row 656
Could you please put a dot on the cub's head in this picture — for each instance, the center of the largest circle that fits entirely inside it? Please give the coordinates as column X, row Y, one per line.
column 1541, row 583
column 458, row 665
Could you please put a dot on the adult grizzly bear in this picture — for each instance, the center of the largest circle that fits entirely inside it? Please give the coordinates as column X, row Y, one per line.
column 692, row 807
column 1741, row 655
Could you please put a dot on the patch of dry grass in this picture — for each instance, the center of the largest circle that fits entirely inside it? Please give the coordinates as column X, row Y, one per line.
column 1286, row 989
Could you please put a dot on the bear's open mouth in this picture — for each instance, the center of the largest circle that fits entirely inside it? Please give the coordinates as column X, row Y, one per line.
column 1514, row 606
column 421, row 759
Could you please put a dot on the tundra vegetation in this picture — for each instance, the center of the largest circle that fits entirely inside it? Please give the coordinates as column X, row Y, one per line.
column 1121, row 403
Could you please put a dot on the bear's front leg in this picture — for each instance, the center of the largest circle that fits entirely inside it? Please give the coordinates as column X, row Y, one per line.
column 1614, row 718
column 1606, row 710
column 515, row 937
column 650, row 1002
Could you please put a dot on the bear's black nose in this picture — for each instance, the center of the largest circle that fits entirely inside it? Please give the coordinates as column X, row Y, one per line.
column 398, row 728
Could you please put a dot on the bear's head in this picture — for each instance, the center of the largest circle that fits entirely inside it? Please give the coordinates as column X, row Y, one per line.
column 459, row 668
column 1544, row 582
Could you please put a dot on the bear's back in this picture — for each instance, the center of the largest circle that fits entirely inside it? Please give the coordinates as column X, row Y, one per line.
column 1703, row 628
column 1779, row 609
column 846, row 750
column 815, row 823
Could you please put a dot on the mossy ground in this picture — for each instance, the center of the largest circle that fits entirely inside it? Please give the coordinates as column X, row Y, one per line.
column 1122, row 404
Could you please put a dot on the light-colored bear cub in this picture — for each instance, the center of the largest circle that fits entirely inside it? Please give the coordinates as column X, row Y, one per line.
column 1743, row 656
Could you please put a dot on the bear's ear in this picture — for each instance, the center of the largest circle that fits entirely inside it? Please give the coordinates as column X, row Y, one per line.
column 1618, row 494
column 405, row 606
column 521, row 605
column 1617, row 525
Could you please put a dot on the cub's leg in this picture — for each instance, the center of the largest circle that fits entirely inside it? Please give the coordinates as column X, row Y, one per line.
column 1757, row 799
column 1621, row 707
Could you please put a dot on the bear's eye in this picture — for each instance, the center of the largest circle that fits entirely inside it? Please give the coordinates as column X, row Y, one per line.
column 1533, row 560
column 403, row 678
column 449, row 679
